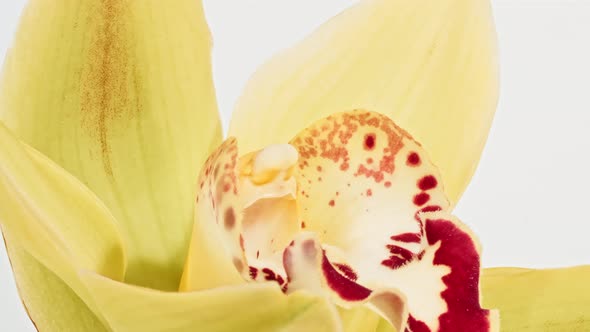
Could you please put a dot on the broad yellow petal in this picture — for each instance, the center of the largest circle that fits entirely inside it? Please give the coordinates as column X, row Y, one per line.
column 255, row 307
column 119, row 93
column 429, row 65
column 556, row 300
column 50, row 303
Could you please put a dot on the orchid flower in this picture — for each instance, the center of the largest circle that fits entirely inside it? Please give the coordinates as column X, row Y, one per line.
column 327, row 208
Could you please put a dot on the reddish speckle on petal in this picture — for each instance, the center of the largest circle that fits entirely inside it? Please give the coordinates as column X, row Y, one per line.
column 319, row 168
column 387, row 184
column 413, row 159
column 332, row 203
column 428, row 182
column 421, row 199
column 303, row 224
column 369, row 141
column 369, row 193
column 238, row 264
column 229, row 218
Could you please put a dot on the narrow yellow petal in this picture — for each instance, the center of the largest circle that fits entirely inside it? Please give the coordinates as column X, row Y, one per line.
column 255, row 307
column 49, row 214
column 40, row 290
column 53, row 216
column 556, row 300
column 119, row 93
column 428, row 65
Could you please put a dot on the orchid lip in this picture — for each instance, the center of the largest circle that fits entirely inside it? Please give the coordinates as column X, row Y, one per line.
column 353, row 210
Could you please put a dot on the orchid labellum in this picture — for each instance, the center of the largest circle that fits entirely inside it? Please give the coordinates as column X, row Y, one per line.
column 327, row 208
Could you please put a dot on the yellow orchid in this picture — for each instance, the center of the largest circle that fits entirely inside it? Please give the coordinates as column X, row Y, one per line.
column 123, row 210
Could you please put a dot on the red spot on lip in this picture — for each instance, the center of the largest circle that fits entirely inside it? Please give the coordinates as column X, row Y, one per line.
column 253, row 272
column 370, row 141
column 344, row 287
column 393, row 262
column 415, row 325
column 347, row 271
column 421, row 199
column 428, row 182
column 413, row 159
column 407, row 237
column 332, row 203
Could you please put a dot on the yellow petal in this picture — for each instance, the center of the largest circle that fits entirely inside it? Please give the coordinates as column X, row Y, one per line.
column 40, row 290
column 53, row 216
column 359, row 319
column 554, row 300
column 255, row 307
column 429, row 65
column 119, row 93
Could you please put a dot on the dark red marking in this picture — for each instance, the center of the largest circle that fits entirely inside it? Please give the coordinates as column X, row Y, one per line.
column 253, row 272
column 413, row 159
column 415, row 325
column 429, row 208
column 229, row 218
column 397, row 250
column 345, row 288
column 407, row 237
column 458, row 251
column 393, row 262
column 421, row 199
column 370, row 141
column 303, row 224
column 332, row 203
column 428, row 182
column 347, row 271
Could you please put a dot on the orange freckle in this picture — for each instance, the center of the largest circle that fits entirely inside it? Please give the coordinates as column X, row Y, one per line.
column 387, row 184
column 320, row 179
column 369, row 192
column 332, row 203
column 337, row 193
column 319, row 168
column 369, row 160
column 303, row 224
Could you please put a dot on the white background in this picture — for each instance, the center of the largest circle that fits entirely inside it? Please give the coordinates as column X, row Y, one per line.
column 528, row 198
